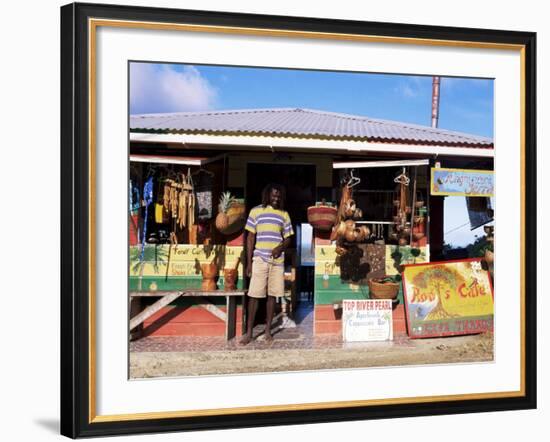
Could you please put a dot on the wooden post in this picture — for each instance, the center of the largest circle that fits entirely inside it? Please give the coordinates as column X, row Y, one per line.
column 231, row 321
column 135, row 308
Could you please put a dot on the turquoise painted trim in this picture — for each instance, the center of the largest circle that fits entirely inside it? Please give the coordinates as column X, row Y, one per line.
column 173, row 282
column 338, row 290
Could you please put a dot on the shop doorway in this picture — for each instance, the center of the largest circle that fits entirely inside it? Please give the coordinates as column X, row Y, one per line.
column 299, row 181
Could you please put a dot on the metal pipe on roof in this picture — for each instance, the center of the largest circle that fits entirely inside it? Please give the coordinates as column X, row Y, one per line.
column 435, row 101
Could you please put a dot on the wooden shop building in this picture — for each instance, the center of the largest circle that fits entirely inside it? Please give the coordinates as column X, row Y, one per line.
column 182, row 164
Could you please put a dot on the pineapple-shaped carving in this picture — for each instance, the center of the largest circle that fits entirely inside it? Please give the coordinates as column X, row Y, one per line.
column 231, row 214
column 222, row 219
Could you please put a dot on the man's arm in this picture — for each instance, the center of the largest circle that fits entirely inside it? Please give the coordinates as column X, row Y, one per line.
column 287, row 233
column 250, row 242
column 277, row 251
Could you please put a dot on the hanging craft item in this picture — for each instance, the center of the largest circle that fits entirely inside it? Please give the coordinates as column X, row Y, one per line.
column 161, row 216
column 231, row 214
column 147, row 200
column 191, row 202
column 182, row 208
column 135, row 202
column 166, row 197
column 179, row 201
column 134, row 205
column 204, row 205
column 191, row 209
column 344, row 201
column 322, row 216
column 344, row 229
column 203, row 185
column 402, row 226
column 159, row 213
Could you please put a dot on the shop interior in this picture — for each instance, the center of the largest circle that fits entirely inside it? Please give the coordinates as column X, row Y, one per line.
column 390, row 202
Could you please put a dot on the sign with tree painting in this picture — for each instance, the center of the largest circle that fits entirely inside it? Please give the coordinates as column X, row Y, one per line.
column 447, row 298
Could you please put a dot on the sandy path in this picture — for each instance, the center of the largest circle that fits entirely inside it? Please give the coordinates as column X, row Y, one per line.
column 460, row 349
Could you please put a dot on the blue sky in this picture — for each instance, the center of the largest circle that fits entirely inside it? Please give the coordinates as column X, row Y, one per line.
column 466, row 104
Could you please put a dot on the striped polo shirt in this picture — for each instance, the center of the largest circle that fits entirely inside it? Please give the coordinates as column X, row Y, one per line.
column 271, row 226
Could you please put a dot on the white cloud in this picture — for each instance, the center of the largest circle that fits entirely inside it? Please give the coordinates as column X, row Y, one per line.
column 452, row 83
column 161, row 88
column 408, row 91
column 411, row 87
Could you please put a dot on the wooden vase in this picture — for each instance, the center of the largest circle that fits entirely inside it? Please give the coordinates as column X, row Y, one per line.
column 209, row 274
column 230, row 279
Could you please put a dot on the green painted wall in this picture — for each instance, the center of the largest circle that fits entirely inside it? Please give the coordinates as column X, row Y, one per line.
column 337, row 290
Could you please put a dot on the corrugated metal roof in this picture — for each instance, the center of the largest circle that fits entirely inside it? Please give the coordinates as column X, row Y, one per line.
column 295, row 122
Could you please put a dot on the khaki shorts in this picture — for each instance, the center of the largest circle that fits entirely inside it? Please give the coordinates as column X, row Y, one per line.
column 266, row 278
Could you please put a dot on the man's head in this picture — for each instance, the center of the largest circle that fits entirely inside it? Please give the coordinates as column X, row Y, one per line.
column 274, row 195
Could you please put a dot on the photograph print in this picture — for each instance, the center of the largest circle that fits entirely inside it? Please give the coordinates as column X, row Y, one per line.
column 286, row 220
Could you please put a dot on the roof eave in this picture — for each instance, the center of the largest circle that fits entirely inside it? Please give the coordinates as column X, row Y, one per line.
column 231, row 141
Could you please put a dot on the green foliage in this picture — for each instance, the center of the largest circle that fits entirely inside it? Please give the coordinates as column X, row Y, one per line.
column 478, row 247
column 475, row 249
column 404, row 254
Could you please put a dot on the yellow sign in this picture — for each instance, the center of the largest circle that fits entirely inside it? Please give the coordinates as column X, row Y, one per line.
column 448, row 298
column 462, row 182
column 182, row 260
column 326, row 262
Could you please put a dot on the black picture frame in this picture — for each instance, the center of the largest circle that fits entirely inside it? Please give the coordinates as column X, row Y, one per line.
column 77, row 405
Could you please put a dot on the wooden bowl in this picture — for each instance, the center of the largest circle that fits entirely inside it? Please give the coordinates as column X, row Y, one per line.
column 350, row 224
column 359, row 234
column 340, row 229
column 351, row 235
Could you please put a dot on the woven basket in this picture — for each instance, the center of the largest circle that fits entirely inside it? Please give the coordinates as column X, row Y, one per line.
column 383, row 290
column 236, row 219
column 322, row 217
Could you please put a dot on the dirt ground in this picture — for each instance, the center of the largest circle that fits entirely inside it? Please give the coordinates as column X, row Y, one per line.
column 404, row 351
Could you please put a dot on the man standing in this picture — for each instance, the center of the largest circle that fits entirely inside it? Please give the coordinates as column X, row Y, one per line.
column 269, row 231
